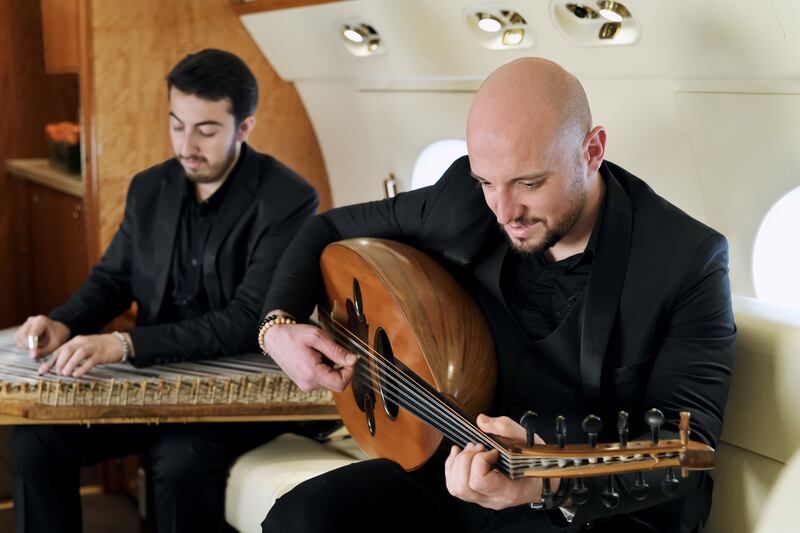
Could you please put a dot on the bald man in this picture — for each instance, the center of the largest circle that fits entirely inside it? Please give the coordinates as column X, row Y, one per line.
column 601, row 297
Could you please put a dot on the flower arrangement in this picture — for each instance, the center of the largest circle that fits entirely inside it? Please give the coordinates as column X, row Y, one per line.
column 65, row 150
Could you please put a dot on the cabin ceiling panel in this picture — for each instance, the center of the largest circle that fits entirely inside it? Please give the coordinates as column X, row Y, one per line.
column 365, row 135
column 727, row 21
column 635, row 110
column 428, row 40
column 745, row 150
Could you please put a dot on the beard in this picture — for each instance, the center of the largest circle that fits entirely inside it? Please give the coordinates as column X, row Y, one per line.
column 560, row 227
column 211, row 173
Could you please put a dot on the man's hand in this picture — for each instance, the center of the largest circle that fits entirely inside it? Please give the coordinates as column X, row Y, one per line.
column 310, row 357
column 470, row 475
column 50, row 333
column 83, row 353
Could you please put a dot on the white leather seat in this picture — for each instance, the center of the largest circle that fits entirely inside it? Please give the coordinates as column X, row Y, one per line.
column 762, row 418
column 779, row 515
column 264, row 474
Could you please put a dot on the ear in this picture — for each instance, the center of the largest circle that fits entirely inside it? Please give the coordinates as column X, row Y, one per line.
column 245, row 128
column 594, row 148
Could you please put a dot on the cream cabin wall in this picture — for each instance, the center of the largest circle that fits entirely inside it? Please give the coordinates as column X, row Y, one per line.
column 705, row 106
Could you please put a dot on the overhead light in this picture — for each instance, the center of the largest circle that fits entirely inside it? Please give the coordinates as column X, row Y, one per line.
column 488, row 23
column 498, row 28
column 513, row 37
column 605, row 23
column 613, row 11
column 360, row 39
column 581, row 11
column 353, row 35
column 609, row 29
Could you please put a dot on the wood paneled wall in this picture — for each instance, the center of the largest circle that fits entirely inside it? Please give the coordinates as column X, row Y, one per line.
column 29, row 99
column 134, row 45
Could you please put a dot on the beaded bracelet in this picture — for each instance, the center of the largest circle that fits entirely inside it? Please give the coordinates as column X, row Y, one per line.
column 268, row 322
column 126, row 347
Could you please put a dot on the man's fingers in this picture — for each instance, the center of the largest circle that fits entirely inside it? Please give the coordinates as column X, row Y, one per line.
column 502, row 426
column 335, row 379
column 38, row 326
column 62, row 355
column 45, row 367
column 333, row 351
column 481, row 467
column 33, row 331
column 88, row 364
column 74, row 361
column 448, row 463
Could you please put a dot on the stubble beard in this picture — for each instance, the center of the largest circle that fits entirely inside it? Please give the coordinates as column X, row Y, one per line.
column 552, row 235
column 214, row 174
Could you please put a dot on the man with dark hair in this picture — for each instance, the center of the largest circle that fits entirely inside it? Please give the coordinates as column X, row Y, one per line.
column 600, row 295
column 200, row 235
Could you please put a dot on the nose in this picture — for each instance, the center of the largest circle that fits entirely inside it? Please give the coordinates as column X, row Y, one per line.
column 506, row 208
column 187, row 146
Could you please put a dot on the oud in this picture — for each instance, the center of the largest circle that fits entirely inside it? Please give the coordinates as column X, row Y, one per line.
column 426, row 369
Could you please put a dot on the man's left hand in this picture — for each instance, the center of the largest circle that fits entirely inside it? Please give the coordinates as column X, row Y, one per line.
column 470, row 473
column 82, row 353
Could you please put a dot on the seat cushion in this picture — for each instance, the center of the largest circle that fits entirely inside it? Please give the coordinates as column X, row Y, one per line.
column 264, row 474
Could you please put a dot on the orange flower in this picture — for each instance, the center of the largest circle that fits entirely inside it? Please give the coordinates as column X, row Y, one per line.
column 63, row 132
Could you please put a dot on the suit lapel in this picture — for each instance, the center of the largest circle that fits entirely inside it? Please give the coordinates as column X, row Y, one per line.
column 605, row 285
column 488, row 270
column 166, row 216
column 237, row 199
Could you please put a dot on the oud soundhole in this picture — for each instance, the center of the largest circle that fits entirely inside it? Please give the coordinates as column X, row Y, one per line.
column 359, row 305
column 386, row 388
column 363, row 389
column 369, row 412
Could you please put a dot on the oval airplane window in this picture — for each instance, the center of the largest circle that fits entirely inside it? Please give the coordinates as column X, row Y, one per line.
column 435, row 159
column 776, row 256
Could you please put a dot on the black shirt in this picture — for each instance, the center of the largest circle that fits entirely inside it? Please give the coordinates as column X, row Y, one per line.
column 186, row 296
column 540, row 294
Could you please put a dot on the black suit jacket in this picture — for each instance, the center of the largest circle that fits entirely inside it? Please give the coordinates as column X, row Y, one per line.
column 658, row 326
column 264, row 208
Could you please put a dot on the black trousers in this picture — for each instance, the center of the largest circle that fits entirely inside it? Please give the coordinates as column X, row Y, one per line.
column 189, row 464
column 378, row 495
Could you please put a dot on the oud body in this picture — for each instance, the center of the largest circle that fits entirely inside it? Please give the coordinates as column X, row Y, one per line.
column 405, row 306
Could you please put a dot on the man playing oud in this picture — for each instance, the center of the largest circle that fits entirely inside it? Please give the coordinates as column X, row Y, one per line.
column 600, row 295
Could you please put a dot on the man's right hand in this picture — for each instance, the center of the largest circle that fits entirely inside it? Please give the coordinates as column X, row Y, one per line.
column 310, row 356
column 51, row 334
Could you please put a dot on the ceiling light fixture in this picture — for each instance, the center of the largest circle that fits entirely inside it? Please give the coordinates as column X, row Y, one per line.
column 498, row 28
column 488, row 23
column 581, row 11
column 605, row 23
column 613, row 11
column 609, row 30
column 513, row 37
column 360, row 39
column 353, row 35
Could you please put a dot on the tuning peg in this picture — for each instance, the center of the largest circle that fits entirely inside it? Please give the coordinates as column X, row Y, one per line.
column 592, row 426
column 609, row 495
column 561, row 432
column 528, row 421
column 580, row 492
column 547, row 494
column 671, row 483
column 622, row 426
column 640, row 487
column 654, row 418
